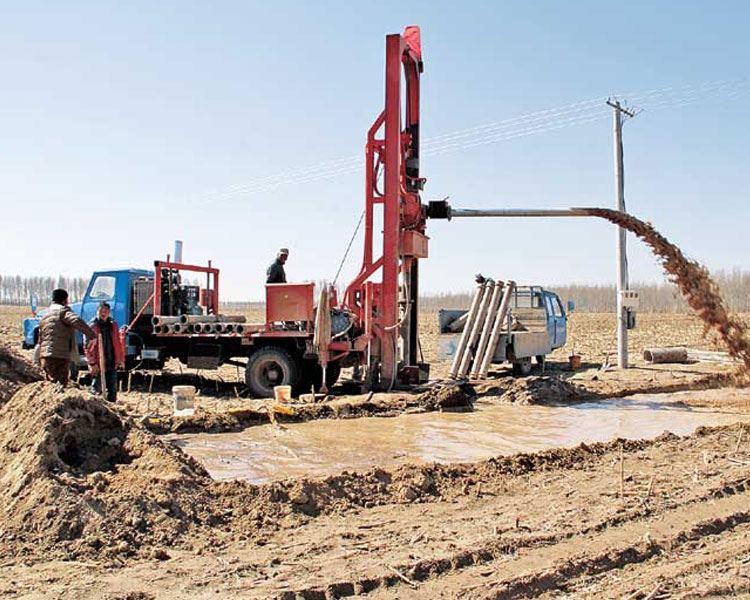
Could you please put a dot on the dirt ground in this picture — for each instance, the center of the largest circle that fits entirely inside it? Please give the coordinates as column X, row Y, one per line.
column 94, row 505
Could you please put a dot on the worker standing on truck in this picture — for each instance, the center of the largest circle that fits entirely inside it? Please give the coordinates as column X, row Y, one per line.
column 275, row 273
column 57, row 337
column 111, row 352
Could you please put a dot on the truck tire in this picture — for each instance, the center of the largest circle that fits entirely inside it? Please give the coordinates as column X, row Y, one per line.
column 313, row 375
column 522, row 367
column 269, row 367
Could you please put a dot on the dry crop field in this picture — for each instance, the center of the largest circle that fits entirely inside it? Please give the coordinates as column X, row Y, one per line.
column 94, row 505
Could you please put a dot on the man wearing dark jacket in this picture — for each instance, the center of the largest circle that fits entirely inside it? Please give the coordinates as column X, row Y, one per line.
column 111, row 352
column 57, row 337
column 275, row 273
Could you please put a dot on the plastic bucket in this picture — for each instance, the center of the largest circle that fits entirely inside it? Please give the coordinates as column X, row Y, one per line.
column 183, row 396
column 282, row 393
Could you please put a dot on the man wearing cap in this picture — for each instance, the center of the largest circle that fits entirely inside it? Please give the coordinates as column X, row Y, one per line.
column 275, row 273
column 57, row 337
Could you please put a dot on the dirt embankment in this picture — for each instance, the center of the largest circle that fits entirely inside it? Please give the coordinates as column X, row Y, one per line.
column 15, row 371
column 75, row 476
column 449, row 396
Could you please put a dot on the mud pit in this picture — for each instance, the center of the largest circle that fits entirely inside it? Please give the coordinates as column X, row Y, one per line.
column 267, row 453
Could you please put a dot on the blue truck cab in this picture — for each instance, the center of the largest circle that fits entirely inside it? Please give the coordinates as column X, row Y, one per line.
column 114, row 287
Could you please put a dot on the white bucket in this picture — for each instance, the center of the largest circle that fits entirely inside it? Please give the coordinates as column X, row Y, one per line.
column 183, row 396
column 282, row 393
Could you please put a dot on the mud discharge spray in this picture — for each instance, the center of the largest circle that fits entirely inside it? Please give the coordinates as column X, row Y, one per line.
column 694, row 281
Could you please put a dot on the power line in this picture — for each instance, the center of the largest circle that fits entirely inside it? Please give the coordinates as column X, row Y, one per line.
column 531, row 123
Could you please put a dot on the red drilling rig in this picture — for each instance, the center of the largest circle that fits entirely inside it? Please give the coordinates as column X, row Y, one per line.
column 374, row 326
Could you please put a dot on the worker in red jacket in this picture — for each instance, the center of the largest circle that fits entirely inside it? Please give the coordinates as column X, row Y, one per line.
column 112, row 353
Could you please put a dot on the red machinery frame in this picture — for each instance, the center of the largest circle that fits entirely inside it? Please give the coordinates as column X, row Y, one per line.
column 213, row 308
column 388, row 309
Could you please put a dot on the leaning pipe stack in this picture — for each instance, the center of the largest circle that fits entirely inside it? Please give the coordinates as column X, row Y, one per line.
column 482, row 326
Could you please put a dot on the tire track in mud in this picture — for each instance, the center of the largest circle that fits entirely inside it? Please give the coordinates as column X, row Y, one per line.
column 498, row 549
column 694, row 281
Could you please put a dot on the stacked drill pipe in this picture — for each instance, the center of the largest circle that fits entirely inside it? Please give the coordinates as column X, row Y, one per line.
column 482, row 327
column 501, row 313
column 206, row 324
column 486, row 327
column 211, row 318
column 468, row 326
column 476, row 329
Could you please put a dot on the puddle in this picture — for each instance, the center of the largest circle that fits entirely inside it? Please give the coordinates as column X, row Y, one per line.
column 264, row 453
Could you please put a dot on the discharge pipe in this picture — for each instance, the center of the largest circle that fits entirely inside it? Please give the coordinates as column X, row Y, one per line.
column 454, row 213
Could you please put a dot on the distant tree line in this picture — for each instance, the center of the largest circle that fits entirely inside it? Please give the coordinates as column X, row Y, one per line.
column 18, row 290
column 654, row 297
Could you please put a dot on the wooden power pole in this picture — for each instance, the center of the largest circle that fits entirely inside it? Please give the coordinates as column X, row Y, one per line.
column 622, row 259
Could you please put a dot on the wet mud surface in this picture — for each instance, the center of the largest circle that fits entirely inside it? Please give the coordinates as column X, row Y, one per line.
column 273, row 452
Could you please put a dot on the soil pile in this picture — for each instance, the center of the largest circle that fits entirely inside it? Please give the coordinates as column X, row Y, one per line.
column 15, row 371
column 77, row 477
column 694, row 281
column 543, row 390
column 448, row 397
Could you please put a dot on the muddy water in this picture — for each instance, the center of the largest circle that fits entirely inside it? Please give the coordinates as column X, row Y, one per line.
column 265, row 453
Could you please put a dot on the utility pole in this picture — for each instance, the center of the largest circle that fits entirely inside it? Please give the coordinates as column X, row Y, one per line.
column 622, row 259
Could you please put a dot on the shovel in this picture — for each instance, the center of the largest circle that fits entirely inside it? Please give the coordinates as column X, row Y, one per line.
column 102, row 365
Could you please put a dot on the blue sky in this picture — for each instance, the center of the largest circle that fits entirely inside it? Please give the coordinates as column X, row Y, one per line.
column 126, row 125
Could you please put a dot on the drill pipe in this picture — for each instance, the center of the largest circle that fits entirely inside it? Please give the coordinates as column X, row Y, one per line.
column 463, row 369
column 484, row 338
column 212, row 318
column 489, row 352
column 161, row 320
column 520, row 212
column 463, row 341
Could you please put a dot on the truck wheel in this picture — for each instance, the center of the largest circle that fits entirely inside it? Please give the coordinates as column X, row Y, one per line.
column 269, row 367
column 522, row 367
column 313, row 375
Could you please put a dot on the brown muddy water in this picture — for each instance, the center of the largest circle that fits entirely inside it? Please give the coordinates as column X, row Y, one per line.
column 267, row 453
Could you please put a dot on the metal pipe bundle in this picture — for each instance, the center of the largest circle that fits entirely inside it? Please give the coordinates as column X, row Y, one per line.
column 212, row 319
column 484, row 338
column 463, row 369
column 471, row 316
column 489, row 352
column 187, row 324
